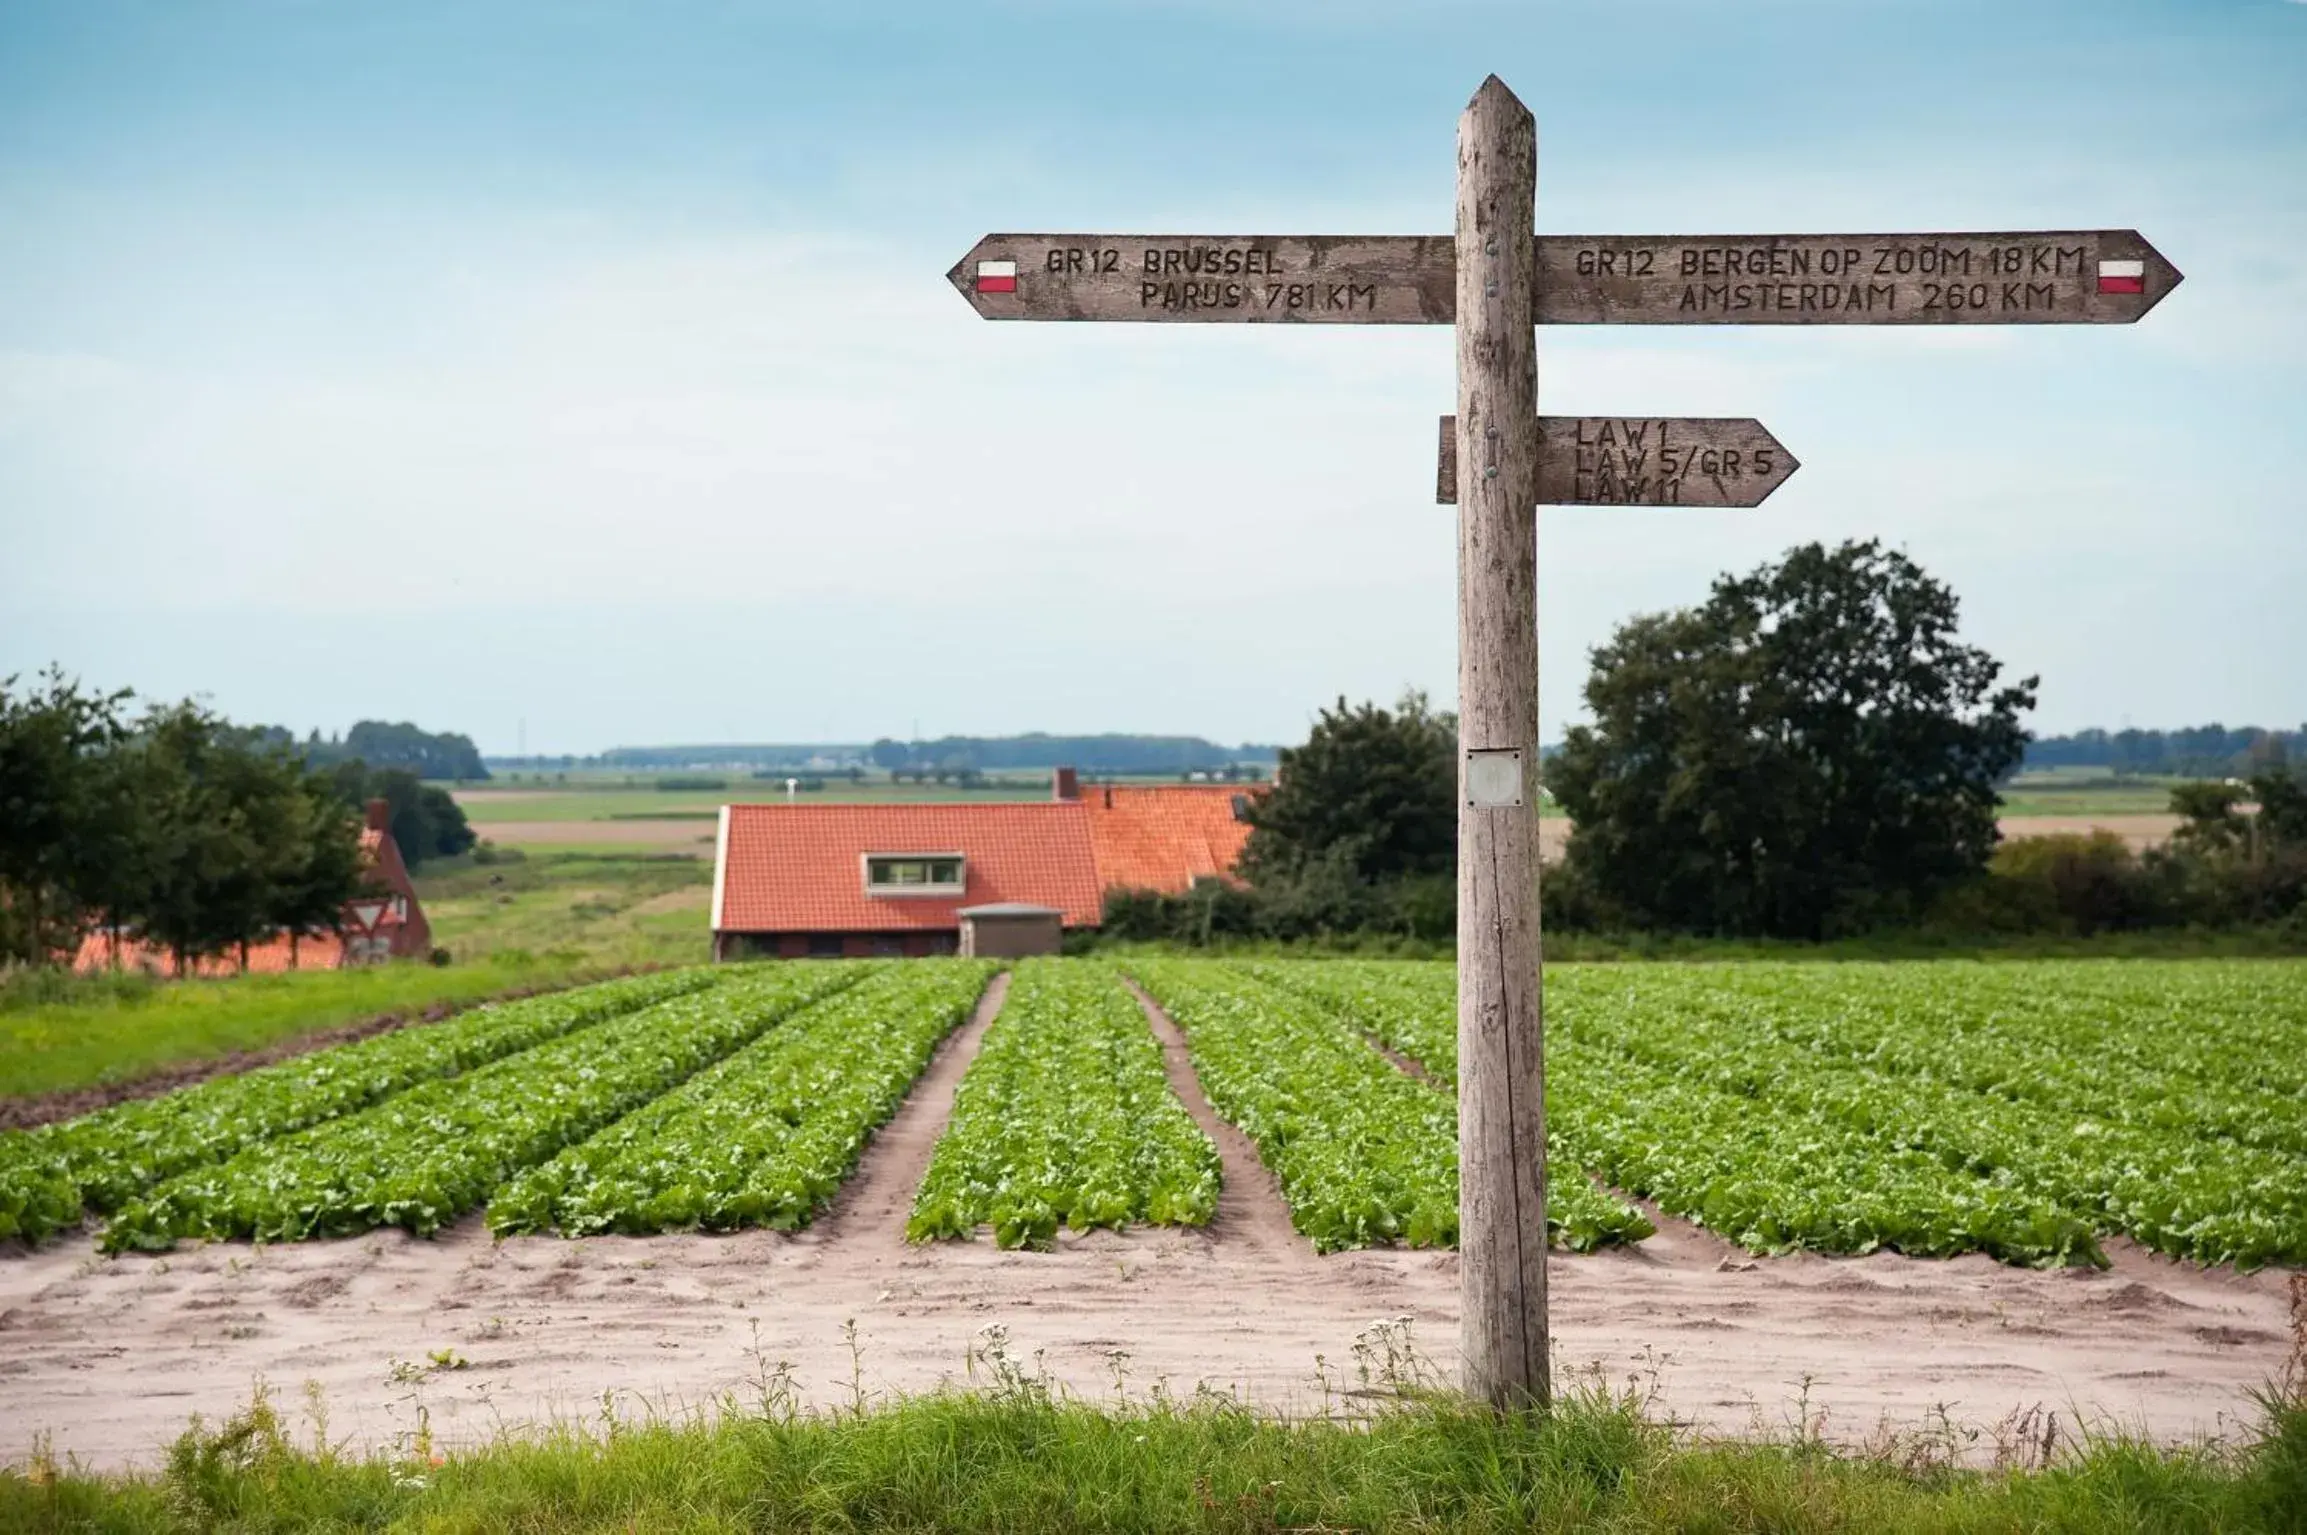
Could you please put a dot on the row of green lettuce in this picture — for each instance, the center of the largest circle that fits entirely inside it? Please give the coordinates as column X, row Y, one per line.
column 1364, row 1152
column 714, row 1098
column 101, row 1160
column 2026, row 1111
column 766, row 1137
column 1066, row 1118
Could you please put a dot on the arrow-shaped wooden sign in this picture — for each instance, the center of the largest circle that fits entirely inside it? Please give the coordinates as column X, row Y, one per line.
column 1317, row 279
column 1643, row 461
column 2075, row 277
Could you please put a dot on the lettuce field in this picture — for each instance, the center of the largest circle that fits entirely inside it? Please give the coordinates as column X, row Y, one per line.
column 2031, row 1111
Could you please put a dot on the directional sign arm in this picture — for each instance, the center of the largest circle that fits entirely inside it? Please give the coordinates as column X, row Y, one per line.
column 2070, row 277
column 1643, row 461
column 1287, row 279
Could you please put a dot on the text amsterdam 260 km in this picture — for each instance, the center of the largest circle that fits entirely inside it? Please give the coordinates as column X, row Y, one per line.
column 1954, row 277
column 2083, row 275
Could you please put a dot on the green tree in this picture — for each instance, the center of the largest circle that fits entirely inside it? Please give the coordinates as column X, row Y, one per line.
column 2213, row 822
column 239, row 840
column 2211, row 819
column 426, row 820
column 2282, row 799
column 1372, row 796
column 1809, row 751
column 62, row 831
column 321, row 869
column 202, row 894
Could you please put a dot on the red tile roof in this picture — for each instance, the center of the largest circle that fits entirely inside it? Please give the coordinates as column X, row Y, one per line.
column 798, row 868
column 1164, row 837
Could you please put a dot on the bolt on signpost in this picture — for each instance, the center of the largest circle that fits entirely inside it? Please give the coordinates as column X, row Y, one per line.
column 1495, row 280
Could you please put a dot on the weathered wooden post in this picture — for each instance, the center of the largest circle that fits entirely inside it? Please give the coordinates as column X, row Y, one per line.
column 1501, row 1064
column 1500, row 461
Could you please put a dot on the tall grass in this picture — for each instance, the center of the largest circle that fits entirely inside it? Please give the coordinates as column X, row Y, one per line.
column 1015, row 1459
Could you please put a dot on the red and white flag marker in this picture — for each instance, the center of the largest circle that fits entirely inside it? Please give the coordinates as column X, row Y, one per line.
column 997, row 277
column 2122, row 277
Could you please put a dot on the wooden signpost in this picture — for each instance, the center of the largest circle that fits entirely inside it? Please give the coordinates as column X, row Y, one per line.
column 1495, row 280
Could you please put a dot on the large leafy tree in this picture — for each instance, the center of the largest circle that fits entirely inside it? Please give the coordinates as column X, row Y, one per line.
column 225, row 819
column 201, row 835
column 62, row 809
column 1372, row 795
column 1811, row 750
column 319, row 866
column 426, row 820
column 2213, row 819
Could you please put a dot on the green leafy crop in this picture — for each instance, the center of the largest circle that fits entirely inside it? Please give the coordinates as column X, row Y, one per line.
column 1066, row 1118
column 1364, row 1153
column 103, row 1159
column 766, row 1137
column 426, row 1156
column 2020, row 1110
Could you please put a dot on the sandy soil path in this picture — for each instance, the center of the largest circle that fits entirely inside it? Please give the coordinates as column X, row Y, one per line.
column 1251, row 1215
column 111, row 1355
column 871, row 1210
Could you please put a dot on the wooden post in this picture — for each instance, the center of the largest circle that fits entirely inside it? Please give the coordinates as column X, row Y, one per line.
column 1501, row 1067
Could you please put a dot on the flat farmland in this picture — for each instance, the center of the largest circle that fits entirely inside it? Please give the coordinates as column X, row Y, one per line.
column 2081, row 1184
column 612, row 818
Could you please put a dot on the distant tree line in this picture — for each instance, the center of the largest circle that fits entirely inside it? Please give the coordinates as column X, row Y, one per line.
column 2205, row 751
column 1810, row 753
column 446, row 757
column 1133, row 754
column 177, row 826
column 2239, row 858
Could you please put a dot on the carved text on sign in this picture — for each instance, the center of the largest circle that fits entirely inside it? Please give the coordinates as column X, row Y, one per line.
column 1643, row 461
column 2087, row 277
column 2084, row 276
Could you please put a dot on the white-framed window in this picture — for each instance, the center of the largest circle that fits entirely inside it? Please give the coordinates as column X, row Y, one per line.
column 915, row 873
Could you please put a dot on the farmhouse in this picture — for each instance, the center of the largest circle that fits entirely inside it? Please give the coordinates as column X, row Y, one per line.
column 801, row 881
column 384, row 921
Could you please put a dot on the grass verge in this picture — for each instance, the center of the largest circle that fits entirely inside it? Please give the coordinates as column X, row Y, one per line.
column 618, row 908
column 1014, row 1459
column 125, row 1033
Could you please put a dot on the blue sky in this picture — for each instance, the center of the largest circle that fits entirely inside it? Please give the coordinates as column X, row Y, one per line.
column 583, row 374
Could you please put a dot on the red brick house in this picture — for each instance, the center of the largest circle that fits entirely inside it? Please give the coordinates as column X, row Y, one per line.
column 797, row 881
column 384, row 921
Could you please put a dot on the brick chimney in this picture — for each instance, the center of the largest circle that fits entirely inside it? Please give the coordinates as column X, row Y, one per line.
column 1064, row 783
column 380, row 815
